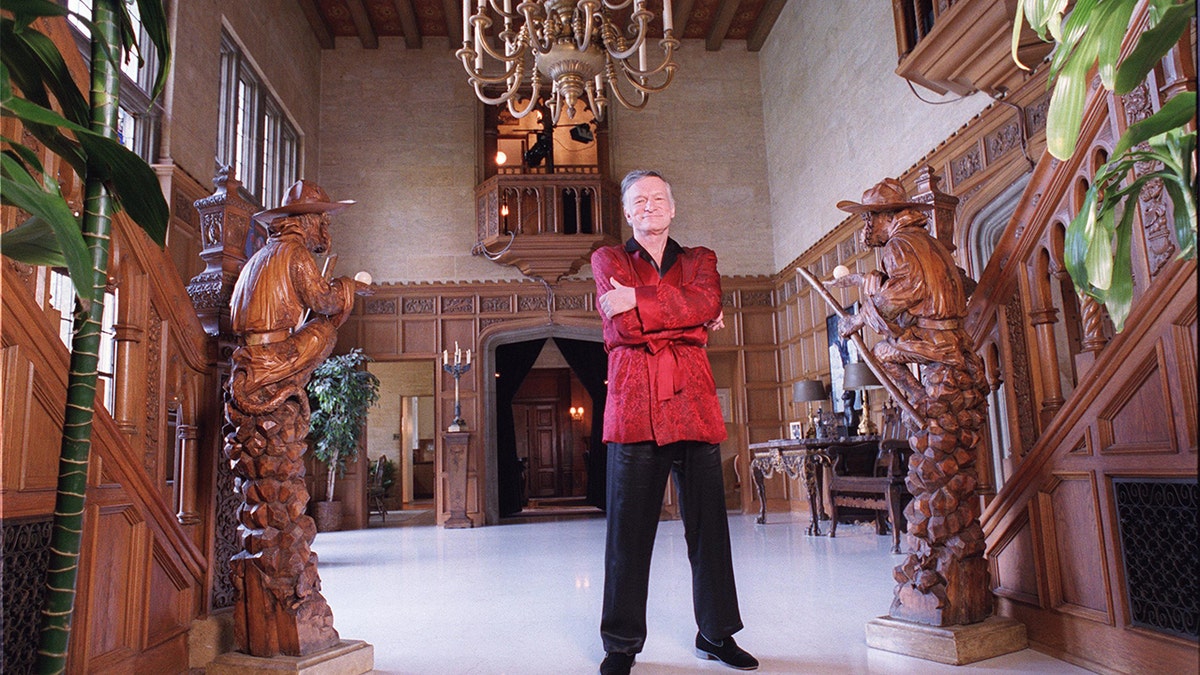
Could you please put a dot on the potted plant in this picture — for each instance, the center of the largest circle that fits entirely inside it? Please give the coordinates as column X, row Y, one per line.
column 339, row 393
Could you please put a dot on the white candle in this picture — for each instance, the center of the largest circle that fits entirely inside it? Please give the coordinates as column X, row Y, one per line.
column 479, row 46
column 445, row 358
column 466, row 34
column 668, row 18
column 468, row 357
column 457, row 354
column 642, row 56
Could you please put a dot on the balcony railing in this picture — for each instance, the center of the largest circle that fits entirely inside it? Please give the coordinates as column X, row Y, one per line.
column 546, row 225
column 962, row 46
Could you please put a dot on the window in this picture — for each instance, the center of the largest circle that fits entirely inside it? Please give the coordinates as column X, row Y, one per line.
column 138, row 121
column 62, row 298
column 254, row 135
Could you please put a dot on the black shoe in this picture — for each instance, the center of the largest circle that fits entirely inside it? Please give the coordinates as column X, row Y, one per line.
column 616, row 663
column 726, row 651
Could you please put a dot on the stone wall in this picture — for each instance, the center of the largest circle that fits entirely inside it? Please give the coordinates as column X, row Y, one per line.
column 836, row 116
column 277, row 39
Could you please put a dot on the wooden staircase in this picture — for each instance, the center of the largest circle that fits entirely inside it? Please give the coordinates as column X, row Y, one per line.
column 1092, row 536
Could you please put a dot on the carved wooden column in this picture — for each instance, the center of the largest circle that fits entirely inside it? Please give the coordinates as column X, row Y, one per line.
column 457, row 448
column 225, row 227
column 128, row 375
column 229, row 237
column 941, row 217
column 186, row 436
column 1043, row 320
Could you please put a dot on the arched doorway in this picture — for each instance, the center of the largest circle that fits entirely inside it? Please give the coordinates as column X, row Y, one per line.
column 509, row 356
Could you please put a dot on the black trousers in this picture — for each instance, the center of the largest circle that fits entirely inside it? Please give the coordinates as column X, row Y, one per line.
column 637, row 479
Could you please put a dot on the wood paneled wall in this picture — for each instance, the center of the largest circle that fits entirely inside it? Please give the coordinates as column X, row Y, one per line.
column 418, row 321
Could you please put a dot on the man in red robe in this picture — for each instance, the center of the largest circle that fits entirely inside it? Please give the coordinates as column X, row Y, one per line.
column 658, row 300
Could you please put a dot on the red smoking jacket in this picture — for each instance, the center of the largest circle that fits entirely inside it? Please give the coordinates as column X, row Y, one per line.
column 660, row 384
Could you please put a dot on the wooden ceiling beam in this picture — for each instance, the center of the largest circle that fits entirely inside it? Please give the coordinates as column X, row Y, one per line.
column 408, row 20
column 720, row 27
column 683, row 14
column 453, row 11
column 362, row 24
column 764, row 24
column 317, row 23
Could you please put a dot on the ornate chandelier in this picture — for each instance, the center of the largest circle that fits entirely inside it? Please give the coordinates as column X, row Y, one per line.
column 572, row 44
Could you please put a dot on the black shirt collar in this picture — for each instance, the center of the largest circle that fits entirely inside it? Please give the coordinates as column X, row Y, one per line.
column 670, row 254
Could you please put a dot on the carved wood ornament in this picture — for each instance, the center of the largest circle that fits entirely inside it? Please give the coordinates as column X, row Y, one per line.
column 917, row 304
column 279, row 608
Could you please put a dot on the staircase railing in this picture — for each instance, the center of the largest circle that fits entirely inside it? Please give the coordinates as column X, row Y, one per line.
column 1097, row 430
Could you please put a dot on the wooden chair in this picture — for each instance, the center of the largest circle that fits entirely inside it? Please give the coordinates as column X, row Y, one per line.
column 871, row 476
column 376, row 491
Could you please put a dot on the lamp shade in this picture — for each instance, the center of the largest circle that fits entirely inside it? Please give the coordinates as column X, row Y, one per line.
column 859, row 376
column 809, row 390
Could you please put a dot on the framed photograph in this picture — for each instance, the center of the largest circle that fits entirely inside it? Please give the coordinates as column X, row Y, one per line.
column 796, row 431
column 725, row 398
column 841, row 352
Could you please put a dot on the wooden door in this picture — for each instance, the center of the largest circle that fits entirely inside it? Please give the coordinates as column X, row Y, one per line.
column 541, row 429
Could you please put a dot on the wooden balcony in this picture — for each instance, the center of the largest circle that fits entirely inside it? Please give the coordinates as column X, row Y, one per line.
column 962, row 46
column 546, row 225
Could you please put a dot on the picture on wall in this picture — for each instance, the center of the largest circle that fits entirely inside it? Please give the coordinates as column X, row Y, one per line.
column 841, row 352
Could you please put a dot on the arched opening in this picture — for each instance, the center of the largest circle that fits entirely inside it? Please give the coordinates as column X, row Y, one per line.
column 533, row 445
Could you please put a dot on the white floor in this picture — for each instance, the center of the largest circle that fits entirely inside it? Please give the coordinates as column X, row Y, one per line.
column 524, row 599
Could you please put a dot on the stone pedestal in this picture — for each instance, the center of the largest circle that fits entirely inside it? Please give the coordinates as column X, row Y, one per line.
column 955, row 645
column 347, row 657
column 457, row 448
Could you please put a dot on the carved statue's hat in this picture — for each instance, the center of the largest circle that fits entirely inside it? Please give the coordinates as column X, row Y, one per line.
column 304, row 196
column 887, row 195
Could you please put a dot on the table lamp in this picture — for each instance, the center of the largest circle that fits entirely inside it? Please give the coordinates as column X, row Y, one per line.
column 806, row 391
column 859, row 376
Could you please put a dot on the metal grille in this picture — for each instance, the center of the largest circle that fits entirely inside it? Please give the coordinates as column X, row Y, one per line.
column 26, row 546
column 1161, row 551
column 227, row 545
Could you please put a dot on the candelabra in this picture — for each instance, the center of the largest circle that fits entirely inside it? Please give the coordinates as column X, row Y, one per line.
column 456, row 369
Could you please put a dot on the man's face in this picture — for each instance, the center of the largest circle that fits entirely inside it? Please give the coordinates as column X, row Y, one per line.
column 874, row 232
column 649, row 207
column 316, row 229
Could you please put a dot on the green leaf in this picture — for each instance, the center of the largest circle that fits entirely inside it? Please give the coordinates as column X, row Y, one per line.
column 1111, row 33
column 48, row 132
column 1184, row 219
column 1099, row 258
column 20, row 189
column 133, row 181
column 33, row 243
column 1018, row 21
column 1174, row 114
column 1153, row 44
column 1119, row 298
column 1073, row 31
column 23, row 154
column 25, row 11
column 36, row 65
column 154, row 20
column 1075, row 244
column 1065, row 114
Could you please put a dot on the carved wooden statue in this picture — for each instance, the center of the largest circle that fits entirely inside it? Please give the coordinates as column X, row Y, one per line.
column 279, row 607
column 917, row 304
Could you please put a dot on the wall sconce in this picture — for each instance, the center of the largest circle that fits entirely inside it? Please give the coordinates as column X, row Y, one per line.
column 576, row 413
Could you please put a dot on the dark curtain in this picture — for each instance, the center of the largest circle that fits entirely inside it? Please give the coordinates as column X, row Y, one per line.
column 513, row 362
column 590, row 363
